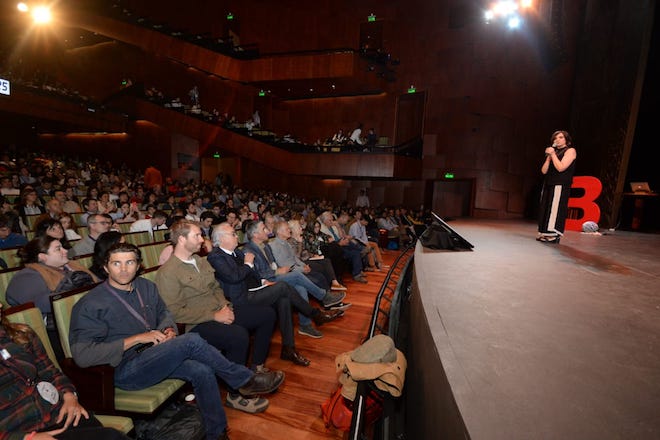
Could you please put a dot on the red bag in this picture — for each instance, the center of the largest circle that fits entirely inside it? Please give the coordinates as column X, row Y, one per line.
column 337, row 411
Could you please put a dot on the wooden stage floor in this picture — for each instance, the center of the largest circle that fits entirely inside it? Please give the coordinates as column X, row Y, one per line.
column 544, row 341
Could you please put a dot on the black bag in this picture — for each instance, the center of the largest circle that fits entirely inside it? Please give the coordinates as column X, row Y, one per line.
column 436, row 237
column 177, row 421
column 74, row 279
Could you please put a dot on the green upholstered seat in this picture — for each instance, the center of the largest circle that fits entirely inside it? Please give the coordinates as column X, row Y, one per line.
column 5, row 277
column 32, row 317
column 138, row 238
column 151, row 253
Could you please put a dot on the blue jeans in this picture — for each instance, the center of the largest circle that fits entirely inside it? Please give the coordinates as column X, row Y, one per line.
column 303, row 286
column 190, row 358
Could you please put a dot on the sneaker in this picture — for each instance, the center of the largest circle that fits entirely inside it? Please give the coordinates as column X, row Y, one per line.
column 337, row 287
column 330, row 299
column 341, row 306
column 252, row 405
column 360, row 279
column 310, row 331
column 369, row 269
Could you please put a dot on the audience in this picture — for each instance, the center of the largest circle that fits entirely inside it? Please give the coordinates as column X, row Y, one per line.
column 188, row 286
column 145, row 348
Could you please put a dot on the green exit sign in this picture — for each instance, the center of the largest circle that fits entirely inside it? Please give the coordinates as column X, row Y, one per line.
column 412, row 89
column 230, row 16
column 262, row 93
column 216, row 155
column 449, row 175
column 371, row 17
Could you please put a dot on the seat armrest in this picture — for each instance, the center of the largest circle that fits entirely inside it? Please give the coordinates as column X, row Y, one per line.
column 95, row 385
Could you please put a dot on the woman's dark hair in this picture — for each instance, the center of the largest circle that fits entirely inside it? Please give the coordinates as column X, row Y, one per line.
column 104, row 242
column 569, row 140
column 39, row 245
column 42, row 227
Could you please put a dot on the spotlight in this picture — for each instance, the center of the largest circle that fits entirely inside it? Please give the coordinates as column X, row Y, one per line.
column 41, row 15
column 513, row 22
column 22, row 7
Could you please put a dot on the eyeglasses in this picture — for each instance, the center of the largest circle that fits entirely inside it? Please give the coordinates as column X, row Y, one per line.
column 102, row 223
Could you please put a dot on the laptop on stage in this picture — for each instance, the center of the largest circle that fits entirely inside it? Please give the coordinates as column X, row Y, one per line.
column 640, row 187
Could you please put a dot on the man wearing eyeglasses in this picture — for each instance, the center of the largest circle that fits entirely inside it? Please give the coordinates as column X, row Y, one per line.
column 97, row 224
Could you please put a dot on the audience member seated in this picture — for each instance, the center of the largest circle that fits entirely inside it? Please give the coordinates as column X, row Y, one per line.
column 145, row 348
column 243, row 285
column 91, row 207
column 358, row 230
column 266, row 266
column 71, row 205
column 47, row 271
column 9, row 239
column 53, row 228
column 127, row 213
column 315, row 261
column 97, row 225
column 150, row 224
column 339, row 138
column 188, row 286
column 69, row 226
column 50, row 410
column 351, row 252
column 29, row 205
column 103, row 243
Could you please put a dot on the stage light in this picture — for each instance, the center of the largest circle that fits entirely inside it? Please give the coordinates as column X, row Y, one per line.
column 41, row 15
column 22, row 7
column 508, row 12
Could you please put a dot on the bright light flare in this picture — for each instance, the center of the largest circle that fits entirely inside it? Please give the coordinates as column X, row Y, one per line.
column 22, row 7
column 41, row 15
column 525, row 4
column 513, row 22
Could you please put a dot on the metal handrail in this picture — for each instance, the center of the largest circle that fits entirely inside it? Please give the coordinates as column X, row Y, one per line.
column 398, row 268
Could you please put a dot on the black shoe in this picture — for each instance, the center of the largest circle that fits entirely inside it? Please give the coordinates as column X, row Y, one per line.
column 291, row 354
column 262, row 383
column 326, row 316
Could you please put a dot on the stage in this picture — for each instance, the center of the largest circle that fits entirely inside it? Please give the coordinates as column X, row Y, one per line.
column 535, row 340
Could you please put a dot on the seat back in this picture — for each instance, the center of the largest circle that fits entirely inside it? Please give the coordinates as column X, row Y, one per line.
column 125, row 228
column 5, row 277
column 62, row 305
column 151, row 253
column 150, row 273
column 11, row 257
column 159, row 235
column 30, row 315
column 85, row 260
column 138, row 238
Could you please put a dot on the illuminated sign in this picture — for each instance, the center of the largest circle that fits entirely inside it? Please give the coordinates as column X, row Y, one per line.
column 5, row 88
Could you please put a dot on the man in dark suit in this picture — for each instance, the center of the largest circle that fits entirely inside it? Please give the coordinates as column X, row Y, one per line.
column 235, row 272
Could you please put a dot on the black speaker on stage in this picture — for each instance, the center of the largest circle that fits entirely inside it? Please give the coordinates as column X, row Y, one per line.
column 439, row 235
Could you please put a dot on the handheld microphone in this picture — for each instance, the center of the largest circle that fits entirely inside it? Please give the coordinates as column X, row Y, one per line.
column 553, row 146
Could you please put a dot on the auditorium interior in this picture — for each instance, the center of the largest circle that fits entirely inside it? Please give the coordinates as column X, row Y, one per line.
column 511, row 339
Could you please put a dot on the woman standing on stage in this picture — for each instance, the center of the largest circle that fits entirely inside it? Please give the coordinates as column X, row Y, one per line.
column 558, row 168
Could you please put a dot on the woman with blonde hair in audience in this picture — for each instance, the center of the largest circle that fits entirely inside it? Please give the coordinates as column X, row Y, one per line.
column 69, row 226
column 317, row 262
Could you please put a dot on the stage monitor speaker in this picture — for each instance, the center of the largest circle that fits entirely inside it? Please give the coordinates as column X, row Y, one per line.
column 439, row 235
